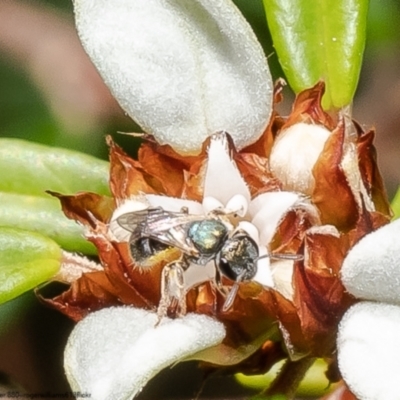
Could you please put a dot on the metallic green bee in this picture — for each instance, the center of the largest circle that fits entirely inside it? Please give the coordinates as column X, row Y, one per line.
column 200, row 239
column 153, row 230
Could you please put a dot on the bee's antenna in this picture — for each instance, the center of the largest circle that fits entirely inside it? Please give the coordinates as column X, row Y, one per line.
column 281, row 256
column 261, row 257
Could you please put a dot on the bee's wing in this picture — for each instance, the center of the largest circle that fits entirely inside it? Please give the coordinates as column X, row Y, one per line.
column 152, row 219
column 165, row 220
column 132, row 220
column 177, row 237
column 170, row 228
column 165, row 226
column 136, row 222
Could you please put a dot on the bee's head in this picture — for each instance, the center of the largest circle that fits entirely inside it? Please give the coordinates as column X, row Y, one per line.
column 238, row 257
column 238, row 260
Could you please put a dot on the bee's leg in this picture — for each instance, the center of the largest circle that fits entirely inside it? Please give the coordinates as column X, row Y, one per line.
column 230, row 298
column 217, row 282
column 181, row 289
column 172, row 290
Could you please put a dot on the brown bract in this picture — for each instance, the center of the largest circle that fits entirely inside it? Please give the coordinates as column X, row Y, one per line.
column 319, row 296
column 260, row 317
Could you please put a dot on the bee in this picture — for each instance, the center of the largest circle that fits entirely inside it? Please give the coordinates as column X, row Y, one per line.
column 154, row 230
column 200, row 239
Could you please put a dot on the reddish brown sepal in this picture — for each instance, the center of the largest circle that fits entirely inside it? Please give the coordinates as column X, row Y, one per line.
column 87, row 208
column 370, row 172
column 89, row 293
column 320, row 297
column 332, row 194
column 127, row 177
column 307, row 108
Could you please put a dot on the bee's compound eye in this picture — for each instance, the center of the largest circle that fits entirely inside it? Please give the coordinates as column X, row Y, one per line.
column 237, row 258
column 207, row 235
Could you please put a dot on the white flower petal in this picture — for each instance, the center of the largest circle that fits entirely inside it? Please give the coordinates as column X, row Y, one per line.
column 112, row 353
column 369, row 350
column 211, row 203
column 268, row 209
column 371, row 269
column 294, row 154
column 282, row 274
column 197, row 274
column 237, row 204
column 182, row 69
column 174, row 204
column 136, row 203
column 264, row 275
column 250, row 229
column 223, row 179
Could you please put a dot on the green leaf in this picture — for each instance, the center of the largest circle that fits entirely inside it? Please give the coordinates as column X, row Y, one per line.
column 265, row 397
column 396, row 204
column 314, row 384
column 320, row 40
column 30, row 168
column 27, row 259
column 43, row 215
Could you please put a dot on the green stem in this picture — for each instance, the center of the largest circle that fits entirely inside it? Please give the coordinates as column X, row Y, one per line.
column 289, row 378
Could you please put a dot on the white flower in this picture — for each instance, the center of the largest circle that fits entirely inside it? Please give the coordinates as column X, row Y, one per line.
column 226, row 190
column 368, row 340
column 111, row 354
